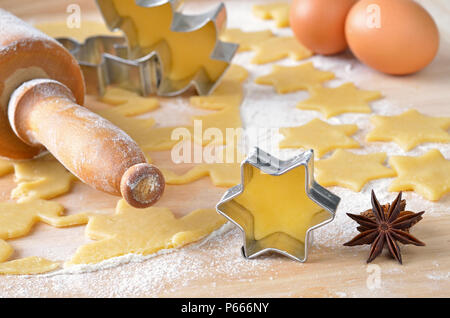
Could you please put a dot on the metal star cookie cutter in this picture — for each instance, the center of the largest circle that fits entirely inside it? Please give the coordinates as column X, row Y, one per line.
column 278, row 242
column 110, row 60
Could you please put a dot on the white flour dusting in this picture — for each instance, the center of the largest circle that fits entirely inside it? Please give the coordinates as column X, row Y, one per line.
column 152, row 275
column 20, row 30
column 218, row 258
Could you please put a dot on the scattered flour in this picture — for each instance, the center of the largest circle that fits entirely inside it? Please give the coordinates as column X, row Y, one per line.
column 218, row 257
column 439, row 276
column 20, row 30
column 152, row 275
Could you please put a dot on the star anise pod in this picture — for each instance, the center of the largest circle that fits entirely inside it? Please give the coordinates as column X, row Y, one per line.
column 369, row 213
column 387, row 228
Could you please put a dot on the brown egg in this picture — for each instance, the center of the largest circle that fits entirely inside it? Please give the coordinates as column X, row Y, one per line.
column 319, row 24
column 392, row 36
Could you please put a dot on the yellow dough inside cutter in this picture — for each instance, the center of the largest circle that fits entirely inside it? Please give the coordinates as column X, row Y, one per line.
column 279, row 204
column 189, row 52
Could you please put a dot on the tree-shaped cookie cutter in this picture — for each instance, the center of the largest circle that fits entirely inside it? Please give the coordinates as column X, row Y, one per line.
column 123, row 61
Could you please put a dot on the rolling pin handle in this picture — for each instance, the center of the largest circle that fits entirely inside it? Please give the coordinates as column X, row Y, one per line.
column 142, row 185
column 44, row 113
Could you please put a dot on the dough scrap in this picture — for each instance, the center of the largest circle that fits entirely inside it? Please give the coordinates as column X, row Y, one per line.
column 288, row 79
column 246, row 40
column 129, row 103
column 159, row 138
column 343, row 99
column 409, row 129
column 142, row 231
column 278, row 48
column 6, row 250
column 60, row 29
column 319, row 136
column 28, row 266
column 141, row 130
column 220, row 121
column 225, row 173
column 277, row 11
column 226, row 98
column 6, row 167
column 352, row 171
column 229, row 92
column 41, row 178
column 115, row 95
column 221, row 174
column 136, row 128
column 427, row 175
column 17, row 219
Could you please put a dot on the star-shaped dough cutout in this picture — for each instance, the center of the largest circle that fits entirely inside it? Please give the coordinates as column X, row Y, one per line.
column 332, row 101
column 427, row 175
column 278, row 48
column 246, row 40
column 143, row 231
column 320, row 136
column 352, row 171
column 288, row 79
column 409, row 129
column 276, row 11
column 274, row 204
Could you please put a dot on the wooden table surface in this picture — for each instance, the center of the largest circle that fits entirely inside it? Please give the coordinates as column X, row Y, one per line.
column 329, row 272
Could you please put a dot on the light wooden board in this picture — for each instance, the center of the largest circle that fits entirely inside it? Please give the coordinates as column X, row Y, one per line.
column 329, row 272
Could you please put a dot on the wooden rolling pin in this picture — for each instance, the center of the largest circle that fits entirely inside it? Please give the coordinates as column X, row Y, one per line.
column 41, row 90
